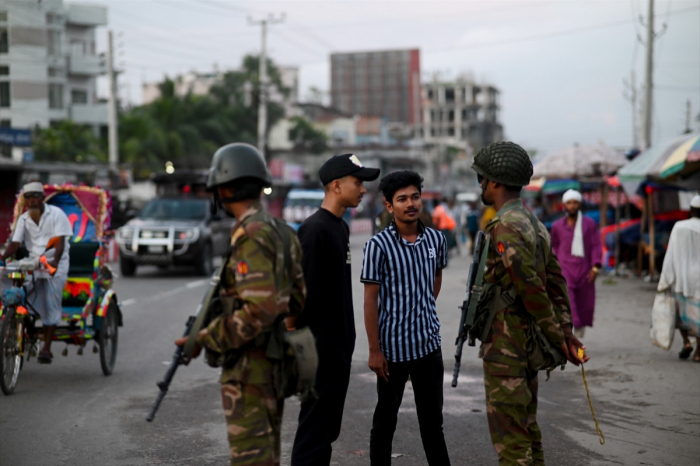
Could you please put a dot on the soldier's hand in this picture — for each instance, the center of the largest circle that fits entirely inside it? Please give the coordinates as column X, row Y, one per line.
column 377, row 362
column 573, row 344
column 197, row 349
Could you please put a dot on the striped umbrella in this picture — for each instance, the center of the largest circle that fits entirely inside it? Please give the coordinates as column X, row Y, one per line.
column 684, row 160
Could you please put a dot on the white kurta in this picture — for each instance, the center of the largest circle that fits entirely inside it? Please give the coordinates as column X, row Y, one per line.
column 46, row 293
column 681, row 269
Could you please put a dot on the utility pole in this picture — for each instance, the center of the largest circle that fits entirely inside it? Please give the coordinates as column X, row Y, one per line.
column 262, row 106
column 687, row 117
column 649, row 75
column 112, row 104
column 631, row 95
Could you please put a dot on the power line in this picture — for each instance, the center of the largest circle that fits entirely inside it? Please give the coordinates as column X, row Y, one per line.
column 550, row 35
column 678, row 88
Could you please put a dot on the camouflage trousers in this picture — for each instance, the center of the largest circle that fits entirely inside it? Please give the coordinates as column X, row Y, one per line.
column 253, row 422
column 511, row 409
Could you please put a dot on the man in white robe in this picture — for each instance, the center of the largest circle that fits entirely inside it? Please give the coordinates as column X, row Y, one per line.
column 681, row 275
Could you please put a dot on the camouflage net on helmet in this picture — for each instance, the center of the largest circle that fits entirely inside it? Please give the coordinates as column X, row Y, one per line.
column 504, row 162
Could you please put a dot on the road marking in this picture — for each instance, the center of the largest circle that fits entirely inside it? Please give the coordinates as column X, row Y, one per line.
column 191, row 285
column 166, row 294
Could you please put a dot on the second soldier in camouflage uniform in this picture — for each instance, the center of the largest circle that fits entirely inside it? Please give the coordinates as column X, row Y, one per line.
column 526, row 286
column 252, row 407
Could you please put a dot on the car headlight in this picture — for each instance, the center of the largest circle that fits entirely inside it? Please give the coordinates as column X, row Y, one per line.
column 125, row 233
column 189, row 234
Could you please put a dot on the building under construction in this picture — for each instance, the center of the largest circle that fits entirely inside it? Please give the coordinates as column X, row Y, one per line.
column 461, row 110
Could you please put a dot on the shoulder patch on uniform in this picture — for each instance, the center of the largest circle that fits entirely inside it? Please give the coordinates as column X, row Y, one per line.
column 500, row 248
column 242, row 268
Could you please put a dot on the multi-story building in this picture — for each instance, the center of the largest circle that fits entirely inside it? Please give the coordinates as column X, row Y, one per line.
column 383, row 84
column 461, row 111
column 48, row 63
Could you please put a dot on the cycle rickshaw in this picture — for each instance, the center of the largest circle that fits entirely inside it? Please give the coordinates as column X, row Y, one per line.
column 90, row 307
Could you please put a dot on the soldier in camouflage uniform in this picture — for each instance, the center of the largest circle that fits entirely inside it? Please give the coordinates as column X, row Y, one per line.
column 532, row 278
column 253, row 410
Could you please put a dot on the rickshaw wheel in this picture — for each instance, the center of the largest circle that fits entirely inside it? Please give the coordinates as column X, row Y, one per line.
column 108, row 339
column 11, row 360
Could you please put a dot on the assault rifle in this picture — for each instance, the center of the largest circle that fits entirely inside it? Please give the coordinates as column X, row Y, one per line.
column 471, row 299
column 182, row 353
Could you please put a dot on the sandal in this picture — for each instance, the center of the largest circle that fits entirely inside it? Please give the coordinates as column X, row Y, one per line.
column 45, row 357
column 685, row 352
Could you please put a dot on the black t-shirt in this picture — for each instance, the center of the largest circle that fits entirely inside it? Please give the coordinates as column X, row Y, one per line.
column 328, row 312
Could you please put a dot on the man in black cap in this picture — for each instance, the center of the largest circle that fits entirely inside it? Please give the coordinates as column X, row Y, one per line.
column 325, row 242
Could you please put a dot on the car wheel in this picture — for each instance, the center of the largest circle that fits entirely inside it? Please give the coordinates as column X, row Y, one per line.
column 127, row 267
column 205, row 264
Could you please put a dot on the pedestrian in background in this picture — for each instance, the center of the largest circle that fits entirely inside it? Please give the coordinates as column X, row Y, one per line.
column 472, row 225
column 402, row 273
column 253, row 301
column 325, row 241
column 576, row 242
column 681, row 275
column 525, row 295
column 444, row 222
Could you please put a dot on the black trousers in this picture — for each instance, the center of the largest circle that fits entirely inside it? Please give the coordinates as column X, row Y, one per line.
column 427, row 375
column 320, row 419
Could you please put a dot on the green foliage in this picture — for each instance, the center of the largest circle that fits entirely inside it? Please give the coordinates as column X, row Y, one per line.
column 68, row 142
column 183, row 129
column 187, row 130
column 305, row 136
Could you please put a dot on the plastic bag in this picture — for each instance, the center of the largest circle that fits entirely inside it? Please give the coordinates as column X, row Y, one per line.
column 663, row 320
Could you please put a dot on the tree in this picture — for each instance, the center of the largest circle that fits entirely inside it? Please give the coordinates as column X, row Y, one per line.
column 68, row 142
column 306, row 136
column 187, row 130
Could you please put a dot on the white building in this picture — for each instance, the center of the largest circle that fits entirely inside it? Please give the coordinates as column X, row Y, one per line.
column 460, row 112
column 48, row 63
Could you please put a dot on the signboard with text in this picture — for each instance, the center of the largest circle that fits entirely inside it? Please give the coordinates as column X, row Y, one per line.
column 15, row 137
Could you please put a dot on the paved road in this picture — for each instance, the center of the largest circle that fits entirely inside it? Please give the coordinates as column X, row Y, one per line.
column 69, row 413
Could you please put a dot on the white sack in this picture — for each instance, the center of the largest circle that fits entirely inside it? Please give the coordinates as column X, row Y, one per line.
column 663, row 320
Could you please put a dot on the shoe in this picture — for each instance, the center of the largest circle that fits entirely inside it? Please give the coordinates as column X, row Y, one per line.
column 45, row 357
column 685, row 352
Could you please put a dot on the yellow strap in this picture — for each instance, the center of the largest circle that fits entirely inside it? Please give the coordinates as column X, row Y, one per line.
column 601, row 438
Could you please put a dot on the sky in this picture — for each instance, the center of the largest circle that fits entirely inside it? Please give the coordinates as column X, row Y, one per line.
column 561, row 65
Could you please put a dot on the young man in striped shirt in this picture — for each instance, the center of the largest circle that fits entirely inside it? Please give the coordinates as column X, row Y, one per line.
column 402, row 273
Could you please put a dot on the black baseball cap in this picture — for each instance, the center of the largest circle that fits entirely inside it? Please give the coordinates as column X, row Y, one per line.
column 339, row 166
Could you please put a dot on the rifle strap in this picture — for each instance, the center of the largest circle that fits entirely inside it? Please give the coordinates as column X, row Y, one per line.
column 202, row 314
column 478, row 288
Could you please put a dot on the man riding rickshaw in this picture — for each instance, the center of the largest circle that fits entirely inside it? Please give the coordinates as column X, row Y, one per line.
column 54, row 271
column 36, row 227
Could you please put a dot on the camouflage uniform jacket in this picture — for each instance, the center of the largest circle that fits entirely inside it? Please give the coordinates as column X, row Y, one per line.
column 539, row 284
column 252, row 265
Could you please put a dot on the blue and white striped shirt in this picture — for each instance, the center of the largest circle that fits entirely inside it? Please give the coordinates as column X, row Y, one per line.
column 409, row 327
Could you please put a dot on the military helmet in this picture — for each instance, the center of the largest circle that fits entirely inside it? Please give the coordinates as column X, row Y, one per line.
column 236, row 161
column 504, row 162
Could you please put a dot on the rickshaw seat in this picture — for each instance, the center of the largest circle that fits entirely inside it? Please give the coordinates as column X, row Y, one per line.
column 82, row 258
column 79, row 285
